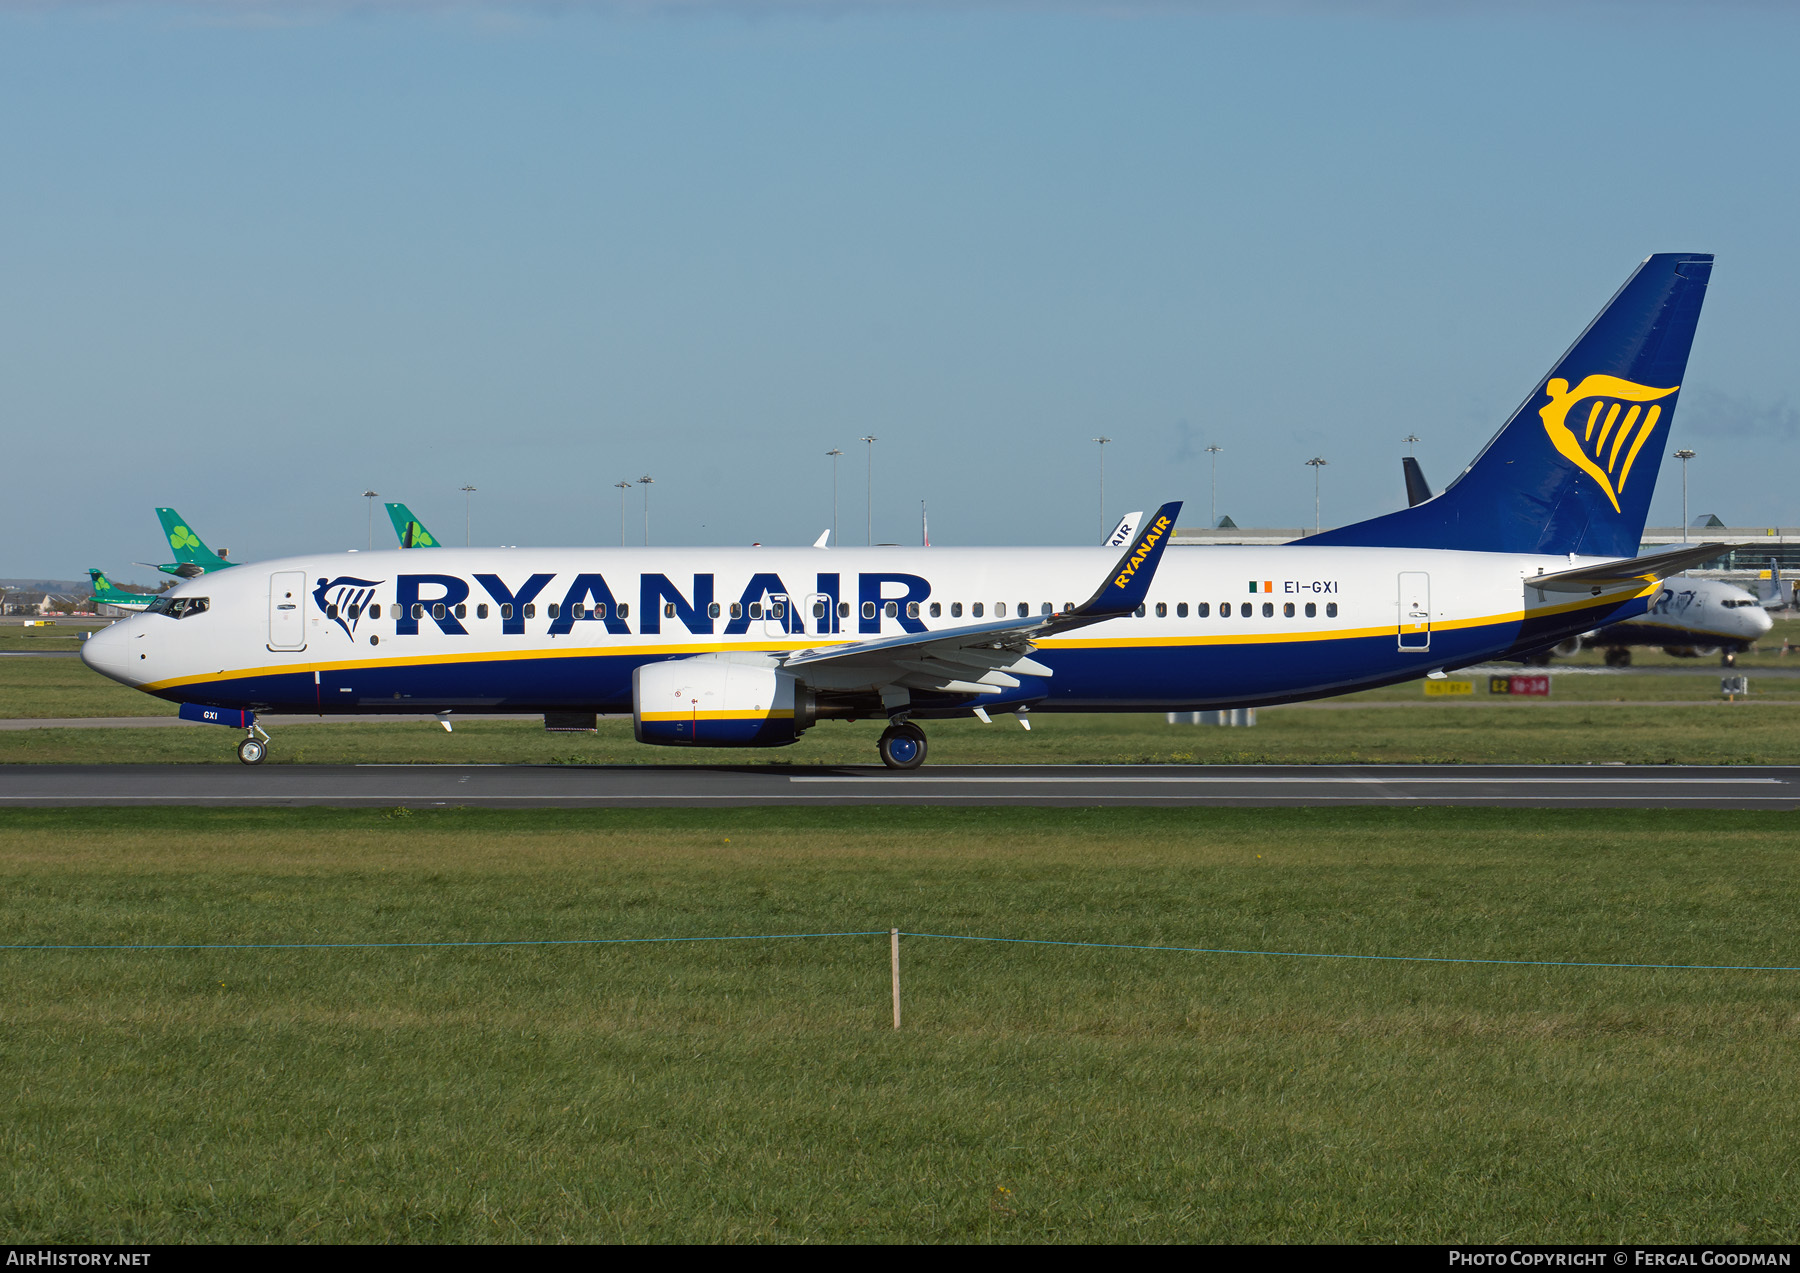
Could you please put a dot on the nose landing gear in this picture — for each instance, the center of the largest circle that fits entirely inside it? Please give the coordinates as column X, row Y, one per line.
column 252, row 751
column 902, row 746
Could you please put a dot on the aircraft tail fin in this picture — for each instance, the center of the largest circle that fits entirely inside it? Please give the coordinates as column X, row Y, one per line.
column 1573, row 469
column 188, row 547
column 1418, row 490
column 409, row 529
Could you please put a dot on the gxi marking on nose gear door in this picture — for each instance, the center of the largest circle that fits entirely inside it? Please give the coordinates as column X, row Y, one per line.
column 287, row 620
column 1415, row 610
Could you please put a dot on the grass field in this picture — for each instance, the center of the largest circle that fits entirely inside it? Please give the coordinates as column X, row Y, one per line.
column 756, row 1090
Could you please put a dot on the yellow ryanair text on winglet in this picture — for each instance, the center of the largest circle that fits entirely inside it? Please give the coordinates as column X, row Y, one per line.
column 1144, row 547
column 1603, row 441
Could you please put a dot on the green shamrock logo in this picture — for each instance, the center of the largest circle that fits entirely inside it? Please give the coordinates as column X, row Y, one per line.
column 181, row 537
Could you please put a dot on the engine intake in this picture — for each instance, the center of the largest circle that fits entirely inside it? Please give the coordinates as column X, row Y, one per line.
column 704, row 702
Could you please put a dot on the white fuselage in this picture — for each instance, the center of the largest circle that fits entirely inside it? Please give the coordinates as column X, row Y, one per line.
column 551, row 629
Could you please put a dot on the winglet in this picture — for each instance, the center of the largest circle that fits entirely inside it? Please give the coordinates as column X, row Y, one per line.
column 1129, row 581
column 823, row 541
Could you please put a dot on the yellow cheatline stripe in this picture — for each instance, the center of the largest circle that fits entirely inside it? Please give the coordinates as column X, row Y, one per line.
column 1286, row 636
column 784, row 714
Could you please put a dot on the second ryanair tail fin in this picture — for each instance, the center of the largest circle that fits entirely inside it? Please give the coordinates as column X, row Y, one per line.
column 410, row 530
column 1573, row 469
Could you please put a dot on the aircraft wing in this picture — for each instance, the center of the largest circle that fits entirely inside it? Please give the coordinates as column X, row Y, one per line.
column 987, row 658
column 1634, row 570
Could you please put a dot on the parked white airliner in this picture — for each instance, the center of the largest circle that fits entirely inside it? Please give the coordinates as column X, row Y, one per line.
column 1536, row 542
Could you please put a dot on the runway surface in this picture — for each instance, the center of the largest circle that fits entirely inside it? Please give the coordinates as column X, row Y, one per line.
column 1069, row 786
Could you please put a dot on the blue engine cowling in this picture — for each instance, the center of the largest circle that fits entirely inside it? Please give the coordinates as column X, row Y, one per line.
column 709, row 702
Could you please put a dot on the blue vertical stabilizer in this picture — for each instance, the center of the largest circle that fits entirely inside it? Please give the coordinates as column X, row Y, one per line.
column 1573, row 469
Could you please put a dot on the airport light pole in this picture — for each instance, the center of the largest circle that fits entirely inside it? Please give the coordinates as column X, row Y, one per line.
column 834, row 453
column 870, row 494
column 1410, row 439
column 1213, row 515
column 623, row 488
column 371, row 496
column 1684, row 455
column 646, row 481
column 468, row 491
column 1315, row 464
column 1103, row 441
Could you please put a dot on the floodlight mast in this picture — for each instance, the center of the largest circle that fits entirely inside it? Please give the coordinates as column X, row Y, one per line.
column 1103, row 527
column 1684, row 455
column 1315, row 464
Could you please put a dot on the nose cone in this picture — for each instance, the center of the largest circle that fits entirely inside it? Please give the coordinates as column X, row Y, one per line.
column 109, row 653
column 1758, row 620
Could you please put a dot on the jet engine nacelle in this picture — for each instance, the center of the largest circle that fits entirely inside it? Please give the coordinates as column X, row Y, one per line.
column 708, row 702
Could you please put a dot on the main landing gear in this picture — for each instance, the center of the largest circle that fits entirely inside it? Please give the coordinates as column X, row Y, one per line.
column 902, row 746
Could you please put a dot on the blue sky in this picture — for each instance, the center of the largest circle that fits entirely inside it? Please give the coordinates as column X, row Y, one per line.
column 257, row 258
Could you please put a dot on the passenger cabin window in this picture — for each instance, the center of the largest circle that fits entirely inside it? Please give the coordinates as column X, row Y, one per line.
column 600, row 610
column 506, row 610
column 777, row 610
column 437, row 610
column 331, row 611
column 937, row 610
column 531, row 609
column 891, row 609
column 1139, row 612
column 418, row 610
column 578, row 610
column 1331, row 609
column 868, row 611
column 1312, row 610
column 481, row 611
column 553, row 609
column 1268, row 609
column 976, row 611
column 668, row 609
column 462, row 611
column 999, row 609
column 1203, row 609
column 375, row 610
column 737, row 610
column 1244, row 610
column 843, row 609
column 624, row 609
column 1181, row 609
column 1162, row 609
column 353, row 611
column 712, row 611
column 956, row 609
column 756, row 609
column 1288, row 609
column 912, row 609
column 818, row 609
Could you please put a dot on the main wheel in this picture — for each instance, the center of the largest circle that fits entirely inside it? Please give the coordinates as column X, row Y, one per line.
column 902, row 746
column 251, row 752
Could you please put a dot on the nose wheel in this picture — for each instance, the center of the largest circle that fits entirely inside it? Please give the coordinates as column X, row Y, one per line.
column 902, row 746
column 253, row 750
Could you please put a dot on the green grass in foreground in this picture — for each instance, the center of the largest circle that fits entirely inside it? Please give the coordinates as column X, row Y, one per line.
column 1509, row 734
column 755, row 1091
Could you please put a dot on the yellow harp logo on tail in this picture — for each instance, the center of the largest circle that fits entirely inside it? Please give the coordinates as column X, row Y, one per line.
column 1603, row 439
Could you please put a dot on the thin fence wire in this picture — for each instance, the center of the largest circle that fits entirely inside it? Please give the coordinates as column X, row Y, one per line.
column 882, row 932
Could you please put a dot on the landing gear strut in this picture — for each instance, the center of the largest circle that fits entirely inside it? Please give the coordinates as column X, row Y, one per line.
column 902, row 746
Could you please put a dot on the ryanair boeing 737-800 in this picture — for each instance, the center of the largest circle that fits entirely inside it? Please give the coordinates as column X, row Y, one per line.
column 1535, row 542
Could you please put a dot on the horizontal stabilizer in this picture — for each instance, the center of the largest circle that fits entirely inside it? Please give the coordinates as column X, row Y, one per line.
column 1614, row 574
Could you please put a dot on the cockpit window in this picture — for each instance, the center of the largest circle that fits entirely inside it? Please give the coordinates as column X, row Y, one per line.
column 179, row 607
